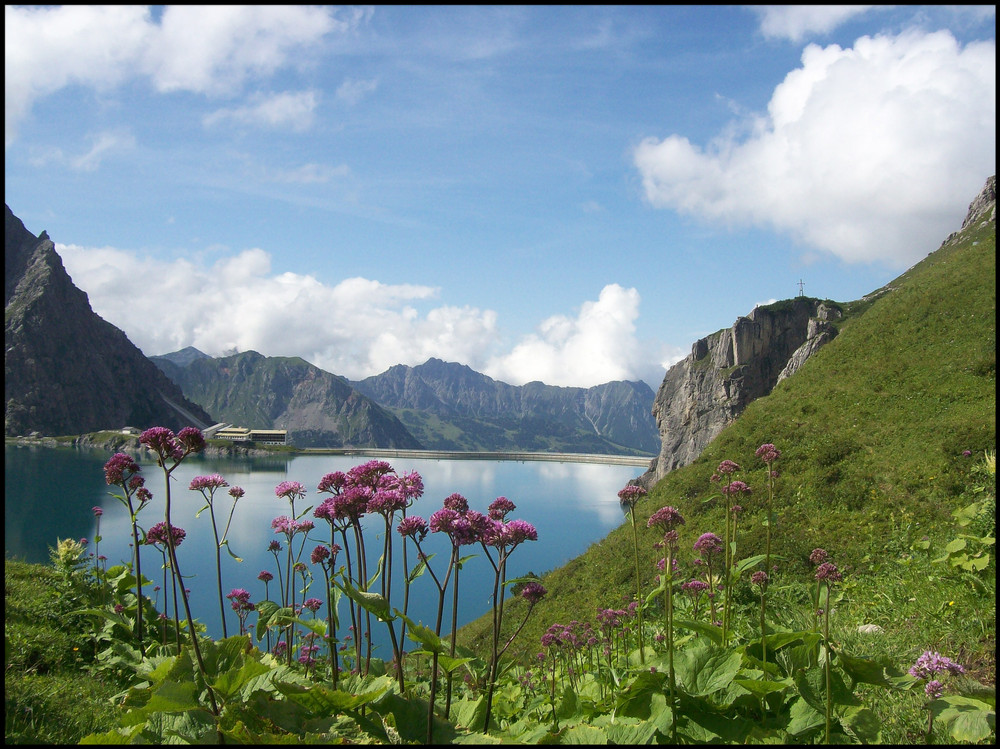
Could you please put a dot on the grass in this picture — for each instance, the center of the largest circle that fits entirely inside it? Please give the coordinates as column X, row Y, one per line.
column 50, row 697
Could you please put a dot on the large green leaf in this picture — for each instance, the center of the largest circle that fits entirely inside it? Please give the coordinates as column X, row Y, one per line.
column 709, row 630
column 863, row 670
column 968, row 719
column 804, row 718
column 706, row 669
column 371, row 602
column 231, row 682
column 168, row 697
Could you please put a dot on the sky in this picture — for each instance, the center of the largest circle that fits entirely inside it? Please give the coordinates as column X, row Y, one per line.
column 570, row 194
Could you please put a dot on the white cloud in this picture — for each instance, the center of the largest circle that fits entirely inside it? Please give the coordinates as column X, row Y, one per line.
column 795, row 22
column 295, row 111
column 598, row 346
column 213, row 49
column 210, row 50
column 355, row 328
column 869, row 153
column 105, row 144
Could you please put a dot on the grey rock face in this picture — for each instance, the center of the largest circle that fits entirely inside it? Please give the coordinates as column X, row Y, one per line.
column 729, row 369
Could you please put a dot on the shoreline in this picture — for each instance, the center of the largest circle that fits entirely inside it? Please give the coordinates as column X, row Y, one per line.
column 119, row 441
column 378, row 452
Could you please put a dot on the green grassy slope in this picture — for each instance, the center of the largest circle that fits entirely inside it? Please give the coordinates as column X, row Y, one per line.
column 871, row 430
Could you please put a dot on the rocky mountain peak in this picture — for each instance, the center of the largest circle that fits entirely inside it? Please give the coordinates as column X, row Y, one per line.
column 66, row 370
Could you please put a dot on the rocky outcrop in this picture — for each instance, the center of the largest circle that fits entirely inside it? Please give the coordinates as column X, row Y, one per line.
column 726, row 371
column 984, row 207
column 66, row 370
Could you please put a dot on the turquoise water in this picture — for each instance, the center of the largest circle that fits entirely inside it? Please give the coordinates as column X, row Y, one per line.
column 49, row 493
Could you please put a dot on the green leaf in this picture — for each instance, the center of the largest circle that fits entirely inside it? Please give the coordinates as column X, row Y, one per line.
column 449, row 664
column 419, row 568
column 865, row 725
column 804, row 718
column 762, row 687
column 265, row 610
column 372, row 602
column 956, row 545
column 711, row 631
column 230, row 682
column 168, row 697
column 968, row 719
column 584, row 735
column 198, row 514
column 706, row 669
column 978, row 564
column 378, row 572
column 863, row 670
column 744, row 564
column 111, row 737
column 422, row 634
column 465, row 559
column 320, row 700
column 231, row 553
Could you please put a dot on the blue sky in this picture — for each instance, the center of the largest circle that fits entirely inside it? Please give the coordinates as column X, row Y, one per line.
column 565, row 194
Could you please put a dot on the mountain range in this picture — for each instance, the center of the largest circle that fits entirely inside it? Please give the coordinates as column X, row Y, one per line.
column 67, row 371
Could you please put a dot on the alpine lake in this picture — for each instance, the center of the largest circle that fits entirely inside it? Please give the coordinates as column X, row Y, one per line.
column 50, row 493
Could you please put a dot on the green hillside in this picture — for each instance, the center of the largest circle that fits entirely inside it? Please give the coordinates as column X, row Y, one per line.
column 873, row 433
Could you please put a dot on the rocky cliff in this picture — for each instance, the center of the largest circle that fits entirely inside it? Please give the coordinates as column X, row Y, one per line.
column 317, row 408
column 729, row 369
column 66, row 370
column 449, row 406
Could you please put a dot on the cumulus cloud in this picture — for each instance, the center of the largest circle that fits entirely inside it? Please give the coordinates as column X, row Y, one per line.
column 795, row 22
column 356, row 327
column 295, row 111
column 869, row 153
column 212, row 50
column 596, row 346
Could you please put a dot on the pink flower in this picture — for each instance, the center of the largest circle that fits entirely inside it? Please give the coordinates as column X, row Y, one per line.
column 727, row 466
column 289, row 490
column 533, row 593
column 414, row 527
column 332, row 482
column 631, row 494
column 501, row 507
column 768, row 453
column 457, row 502
column 828, row 571
column 736, row 488
column 666, row 519
column 708, row 544
column 319, row 554
column 158, row 535
column 818, row 556
column 192, row 440
column 211, row 483
column 119, row 469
